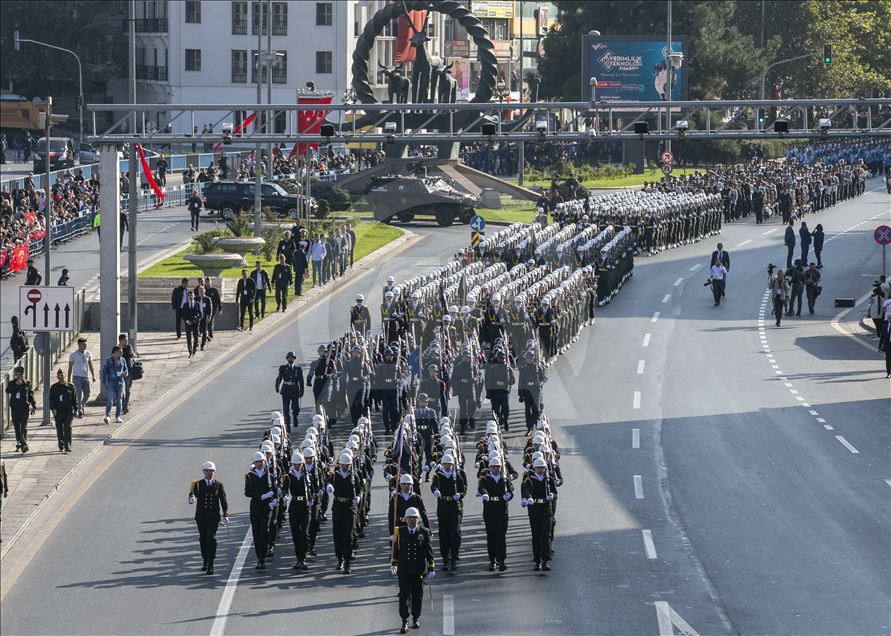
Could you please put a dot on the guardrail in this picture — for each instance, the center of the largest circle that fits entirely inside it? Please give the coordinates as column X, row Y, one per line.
column 33, row 362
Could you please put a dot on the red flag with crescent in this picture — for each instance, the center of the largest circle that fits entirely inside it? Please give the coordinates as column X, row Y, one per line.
column 18, row 259
column 309, row 121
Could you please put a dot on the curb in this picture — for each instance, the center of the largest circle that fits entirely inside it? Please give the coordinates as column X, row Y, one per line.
column 404, row 241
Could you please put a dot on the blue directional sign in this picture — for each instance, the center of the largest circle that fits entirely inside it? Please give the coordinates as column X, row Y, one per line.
column 477, row 223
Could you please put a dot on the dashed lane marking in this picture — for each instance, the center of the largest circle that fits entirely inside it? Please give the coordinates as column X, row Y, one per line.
column 769, row 232
column 666, row 298
column 646, row 340
column 635, row 438
column 640, row 366
column 695, row 267
column 637, row 399
column 448, row 615
column 638, row 487
column 847, row 444
column 746, row 242
column 678, row 282
column 649, row 546
column 655, row 317
column 219, row 622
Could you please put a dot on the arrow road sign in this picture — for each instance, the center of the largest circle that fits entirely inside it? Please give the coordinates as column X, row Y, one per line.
column 477, row 223
column 46, row 308
column 666, row 157
column 882, row 235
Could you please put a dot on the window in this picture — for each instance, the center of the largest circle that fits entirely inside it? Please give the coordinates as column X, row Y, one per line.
column 258, row 9
column 324, row 13
column 323, row 61
column 279, row 18
column 497, row 28
column 193, row 11
column 193, row 59
column 239, row 18
column 280, row 68
column 448, row 29
column 356, row 29
column 239, row 66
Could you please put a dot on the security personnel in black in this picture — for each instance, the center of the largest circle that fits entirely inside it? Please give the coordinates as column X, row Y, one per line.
column 538, row 491
column 386, row 384
column 63, row 402
column 462, row 384
column 436, row 390
column 245, row 291
column 346, row 488
column 403, row 500
column 259, row 488
column 301, row 488
column 412, row 561
column 499, row 379
column 426, row 422
column 20, row 397
column 544, row 319
column 214, row 294
column 209, row 498
column 495, row 492
column 356, row 371
column 281, row 280
column 360, row 317
column 529, row 389
column 290, row 384
column 449, row 486
column 261, row 283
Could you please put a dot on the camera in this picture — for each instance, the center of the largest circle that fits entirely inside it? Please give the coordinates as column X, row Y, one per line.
column 707, row 283
column 770, row 268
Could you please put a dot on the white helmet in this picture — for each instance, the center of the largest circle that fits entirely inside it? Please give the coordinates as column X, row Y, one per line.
column 309, row 452
column 537, row 455
column 347, row 451
column 495, row 461
column 317, row 419
column 267, row 446
column 208, row 466
column 275, row 430
column 390, row 279
column 539, row 463
column 312, row 430
column 453, row 309
column 444, row 420
column 362, row 422
column 360, row 298
column 258, row 457
column 296, row 459
column 538, row 438
column 347, row 459
column 389, row 294
column 447, row 459
column 354, row 438
column 353, row 446
column 406, row 479
column 491, row 427
column 276, row 439
column 412, row 512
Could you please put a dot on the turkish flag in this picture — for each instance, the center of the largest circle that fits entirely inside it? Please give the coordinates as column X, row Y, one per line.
column 408, row 26
column 149, row 177
column 19, row 259
column 30, row 217
column 310, row 121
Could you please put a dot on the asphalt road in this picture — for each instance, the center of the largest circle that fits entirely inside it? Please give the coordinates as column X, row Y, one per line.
column 695, row 477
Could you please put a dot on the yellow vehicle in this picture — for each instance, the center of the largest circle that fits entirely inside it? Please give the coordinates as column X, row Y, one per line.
column 17, row 112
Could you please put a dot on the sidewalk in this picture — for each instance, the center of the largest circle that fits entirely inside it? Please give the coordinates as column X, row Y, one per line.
column 36, row 476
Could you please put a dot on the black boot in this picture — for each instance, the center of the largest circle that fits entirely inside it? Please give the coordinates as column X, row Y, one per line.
column 339, row 564
column 404, row 628
column 204, row 567
column 210, row 568
column 416, row 623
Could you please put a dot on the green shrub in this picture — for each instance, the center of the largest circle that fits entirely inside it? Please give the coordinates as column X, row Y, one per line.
column 239, row 225
column 204, row 242
column 323, row 209
column 338, row 198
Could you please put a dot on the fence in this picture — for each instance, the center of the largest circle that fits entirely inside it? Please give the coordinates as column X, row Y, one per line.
column 33, row 362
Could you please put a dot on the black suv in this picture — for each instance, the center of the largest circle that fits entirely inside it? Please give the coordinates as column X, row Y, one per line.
column 231, row 197
column 61, row 154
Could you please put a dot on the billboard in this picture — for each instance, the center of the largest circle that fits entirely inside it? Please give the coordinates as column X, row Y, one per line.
column 631, row 68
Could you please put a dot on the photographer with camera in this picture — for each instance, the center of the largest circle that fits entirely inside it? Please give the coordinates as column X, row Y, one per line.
column 812, row 285
column 779, row 293
column 716, row 280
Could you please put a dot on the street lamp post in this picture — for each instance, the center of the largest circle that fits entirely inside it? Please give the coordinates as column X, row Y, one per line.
column 767, row 70
column 80, row 77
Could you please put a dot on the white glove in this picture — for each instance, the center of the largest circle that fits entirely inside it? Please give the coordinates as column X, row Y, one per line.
column 272, row 505
column 268, row 495
column 191, row 499
column 309, row 503
column 431, row 574
column 355, row 501
column 225, row 521
column 485, row 498
column 559, row 482
column 329, row 489
column 550, row 497
column 391, row 538
column 524, row 502
column 437, row 494
column 319, row 494
column 393, row 570
column 507, row 496
column 287, row 499
column 457, row 496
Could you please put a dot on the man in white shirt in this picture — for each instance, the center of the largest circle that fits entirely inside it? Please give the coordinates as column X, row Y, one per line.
column 317, row 252
column 261, row 280
column 716, row 278
column 80, row 372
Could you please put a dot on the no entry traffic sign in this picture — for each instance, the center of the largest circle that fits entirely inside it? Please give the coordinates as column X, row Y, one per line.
column 882, row 235
column 46, row 308
column 34, row 296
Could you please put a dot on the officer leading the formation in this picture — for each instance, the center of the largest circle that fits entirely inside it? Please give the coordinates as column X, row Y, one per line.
column 360, row 317
column 209, row 498
column 290, row 384
column 412, row 561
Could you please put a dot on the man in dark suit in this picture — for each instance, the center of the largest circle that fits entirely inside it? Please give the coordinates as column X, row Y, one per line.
column 177, row 300
column 290, row 384
column 789, row 241
column 214, row 294
column 261, row 284
column 210, row 497
column 191, row 316
column 244, row 291
column 722, row 257
column 281, row 280
column 300, row 259
column 412, row 561
column 205, row 314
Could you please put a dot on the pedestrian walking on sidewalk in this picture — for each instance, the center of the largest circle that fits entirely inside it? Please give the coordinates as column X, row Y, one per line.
column 113, row 378
column 211, row 506
column 81, row 373
column 129, row 355
column 20, row 397
column 261, row 283
column 63, row 403
column 178, row 299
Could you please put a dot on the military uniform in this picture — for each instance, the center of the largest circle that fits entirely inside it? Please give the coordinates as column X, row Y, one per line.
column 20, row 397
column 258, row 488
column 538, row 493
column 210, row 502
column 290, row 384
column 346, row 490
column 360, row 319
column 301, row 488
column 449, row 488
column 63, row 402
column 412, row 555
column 529, row 389
column 496, row 491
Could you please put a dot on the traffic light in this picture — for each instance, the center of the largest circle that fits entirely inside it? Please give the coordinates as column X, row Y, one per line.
column 760, row 116
column 827, row 54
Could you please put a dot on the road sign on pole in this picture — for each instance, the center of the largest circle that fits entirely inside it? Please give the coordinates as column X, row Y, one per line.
column 882, row 236
column 667, row 157
column 476, row 238
column 477, row 223
column 666, row 169
column 45, row 309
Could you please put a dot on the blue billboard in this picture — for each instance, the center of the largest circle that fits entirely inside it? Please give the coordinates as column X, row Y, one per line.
column 632, row 68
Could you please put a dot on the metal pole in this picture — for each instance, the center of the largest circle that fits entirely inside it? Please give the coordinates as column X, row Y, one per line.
column 133, row 198
column 47, row 241
column 521, row 158
column 80, row 79
column 258, row 217
column 269, row 125
column 669, row 71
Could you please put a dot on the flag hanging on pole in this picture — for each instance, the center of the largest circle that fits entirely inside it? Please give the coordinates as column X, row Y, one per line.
column 309, row 121
column 149, row 177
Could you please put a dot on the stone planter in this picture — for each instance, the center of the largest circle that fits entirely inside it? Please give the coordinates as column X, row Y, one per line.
column 214, row 264
column 240, row 245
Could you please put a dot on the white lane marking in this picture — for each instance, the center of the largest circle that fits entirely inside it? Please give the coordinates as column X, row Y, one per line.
column 637, row 399
column 646, row 340
column 678, row 282
column 655, row 317
column 828, row 428
column 793, row 391
column 448, row 614
column 666, row 298
column 847, row 444
column 695, row 267
column 769, row 232
column 821, row 420
column 805, row 405
column 799, row 398
column 649, row 546
column 640, row 366
column 668, row 619
column 744, row 243
column 813, row 412
column 219, row 623
column 888, row 481
column 638, row 487
column 635, row 438
column 778, row 372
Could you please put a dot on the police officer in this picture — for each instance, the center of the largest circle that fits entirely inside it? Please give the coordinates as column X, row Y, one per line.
column 345, row 487
column 403, row 500
column 210, row 498
column 360, row 317
column 449, row 486
column 63, row 402
column 531, row 378
column 20, row 397
column 495, row 491
column 289, row 383
column 281, row 280
column 538, row 491
column 301, row 488
column 425, row 421
column 258, row 487
column 412, row 561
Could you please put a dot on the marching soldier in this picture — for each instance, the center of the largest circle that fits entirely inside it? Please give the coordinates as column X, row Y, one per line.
column 210, row 497
column 290, row 384
column 357, row 372
column 259, row 488
column 386, row 379
column 314, row 473
column 345, row 487
column 538, row 490
column 403, row 500
column 425, row 420
column 495, row 491
column 436, row 390
column 360, row 317
column 392, row 323
column 301, row 488
column 499, row 379
column 518, row 323
column 412, row 561
column 321, row 378
column 449, row 486
column 462, row 384
column 531, row 378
